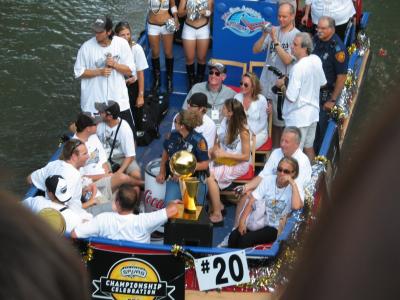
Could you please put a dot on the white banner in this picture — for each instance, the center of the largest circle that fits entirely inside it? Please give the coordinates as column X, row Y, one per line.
column 222, row 270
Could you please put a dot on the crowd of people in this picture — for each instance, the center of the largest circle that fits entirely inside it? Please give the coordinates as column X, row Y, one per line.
column 96, row 183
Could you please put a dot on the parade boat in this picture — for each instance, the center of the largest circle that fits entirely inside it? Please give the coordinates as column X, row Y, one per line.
column 186, row 268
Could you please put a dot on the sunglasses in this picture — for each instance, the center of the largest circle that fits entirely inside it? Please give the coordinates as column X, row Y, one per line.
column 216, row 73
column 77, row 143
column 193, row 105
column 246, row 85
column 285, row 171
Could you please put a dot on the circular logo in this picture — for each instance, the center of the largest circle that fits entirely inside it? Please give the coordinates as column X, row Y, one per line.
column 133, row 279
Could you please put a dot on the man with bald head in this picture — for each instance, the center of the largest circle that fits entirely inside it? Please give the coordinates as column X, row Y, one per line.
column 330, row 49
column 278, row 44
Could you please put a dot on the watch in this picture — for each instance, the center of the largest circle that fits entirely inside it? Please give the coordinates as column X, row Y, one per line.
column 277, row 44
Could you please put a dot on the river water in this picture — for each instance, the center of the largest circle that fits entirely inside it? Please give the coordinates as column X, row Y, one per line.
column 39, row 96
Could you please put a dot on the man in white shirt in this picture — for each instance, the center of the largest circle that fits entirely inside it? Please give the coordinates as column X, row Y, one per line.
column 125, row 223
column 97, row 167
column 198, row 103
column 101, row 64
column 278, row 45
column 290, row 147
column 117, row 139
column 301, row 105
column 74, row 156
column 59, row 195
column 341, row 11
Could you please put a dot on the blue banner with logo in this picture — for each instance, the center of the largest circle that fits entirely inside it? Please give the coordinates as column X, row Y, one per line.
column 238, row 25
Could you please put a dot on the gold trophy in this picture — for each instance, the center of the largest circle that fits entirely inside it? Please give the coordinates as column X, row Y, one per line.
column 183, row 164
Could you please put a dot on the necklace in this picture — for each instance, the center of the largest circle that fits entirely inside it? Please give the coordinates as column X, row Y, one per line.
column 278, row 196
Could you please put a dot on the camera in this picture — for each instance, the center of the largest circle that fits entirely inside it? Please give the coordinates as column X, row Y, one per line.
column 280, row 75
column 86, row 197
column 267, row 27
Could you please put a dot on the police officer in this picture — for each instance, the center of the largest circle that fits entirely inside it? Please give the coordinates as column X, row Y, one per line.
column 332, row 52
column 184, row 138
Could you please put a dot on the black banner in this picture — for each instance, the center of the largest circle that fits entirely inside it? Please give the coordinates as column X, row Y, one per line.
column 120, row 275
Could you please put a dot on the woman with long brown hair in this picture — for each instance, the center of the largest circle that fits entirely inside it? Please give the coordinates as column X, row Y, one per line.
column 230, row 155
column 255, row 105
column 135, row 85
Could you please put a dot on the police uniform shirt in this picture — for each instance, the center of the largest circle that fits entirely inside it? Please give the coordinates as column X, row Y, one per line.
column 194, row 143
column 334, row 57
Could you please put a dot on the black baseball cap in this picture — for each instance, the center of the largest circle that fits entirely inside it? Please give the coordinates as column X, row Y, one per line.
column 110, row 107
column 199, row 99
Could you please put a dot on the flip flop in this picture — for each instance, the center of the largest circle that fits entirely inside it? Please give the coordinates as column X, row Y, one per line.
column 217, row 223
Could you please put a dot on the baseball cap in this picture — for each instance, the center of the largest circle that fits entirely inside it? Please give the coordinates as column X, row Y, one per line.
column 217, row 65
column 110, row 107
column 58, row 186
column 199, row 99
column 99, row 25
column 85, row 119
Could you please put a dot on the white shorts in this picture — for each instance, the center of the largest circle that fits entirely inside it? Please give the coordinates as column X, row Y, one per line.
column 133, row 166
column 153, row 29
column 308, row 135
column 191, row 33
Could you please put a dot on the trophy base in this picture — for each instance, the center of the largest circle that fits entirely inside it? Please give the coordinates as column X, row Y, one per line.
column 188, row 214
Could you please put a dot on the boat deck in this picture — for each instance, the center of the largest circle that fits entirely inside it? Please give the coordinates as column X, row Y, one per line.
column 146, row 154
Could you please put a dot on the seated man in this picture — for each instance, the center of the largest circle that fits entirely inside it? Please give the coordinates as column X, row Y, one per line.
column 59, row 195
column 74, row 156
column 126, row 223
column 290, row 147
column 198, row 103
column 97, row 168
column 215, row 91
column 117, row 139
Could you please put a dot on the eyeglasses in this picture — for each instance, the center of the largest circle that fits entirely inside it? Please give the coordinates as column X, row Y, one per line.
column 216, row 73
column 246, row 85
column 285, row 171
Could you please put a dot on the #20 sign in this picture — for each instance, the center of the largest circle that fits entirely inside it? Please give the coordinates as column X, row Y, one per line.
column 222, row 270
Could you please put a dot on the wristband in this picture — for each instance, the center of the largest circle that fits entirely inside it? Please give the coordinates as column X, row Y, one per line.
column 207, row 13
column 174, row 10
column 141, row 93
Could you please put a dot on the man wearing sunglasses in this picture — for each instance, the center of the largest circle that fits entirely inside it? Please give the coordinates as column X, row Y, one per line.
column 277, row 42
column 215, row 91
column 333, row 54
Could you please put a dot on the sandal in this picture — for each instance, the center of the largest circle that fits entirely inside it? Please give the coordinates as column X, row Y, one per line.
column 217, row 222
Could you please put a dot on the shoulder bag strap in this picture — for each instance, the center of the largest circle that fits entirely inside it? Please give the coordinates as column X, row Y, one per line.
column 115, row 137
